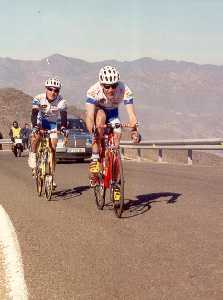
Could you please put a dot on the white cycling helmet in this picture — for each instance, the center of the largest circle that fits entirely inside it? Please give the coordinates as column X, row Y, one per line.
column 53, row 82
column 108, row 75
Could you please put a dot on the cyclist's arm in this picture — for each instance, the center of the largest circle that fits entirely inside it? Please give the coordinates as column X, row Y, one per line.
column 63, row 117
column 90, row 111
column 90, row 107
column 132, row 115
column 128, row 102
column 35, row 111
column 63, row 113
column 11, row 134
column 34, row 116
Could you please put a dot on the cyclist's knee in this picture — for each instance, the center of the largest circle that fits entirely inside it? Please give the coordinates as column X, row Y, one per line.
column 100, row 117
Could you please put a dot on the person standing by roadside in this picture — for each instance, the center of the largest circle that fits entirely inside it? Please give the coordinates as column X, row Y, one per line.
column 25, row 135
column 15, row 131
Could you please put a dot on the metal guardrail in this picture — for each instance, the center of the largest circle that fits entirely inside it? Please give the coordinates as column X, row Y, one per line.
column 5, row 142
column 160, row 145
column 184, row 144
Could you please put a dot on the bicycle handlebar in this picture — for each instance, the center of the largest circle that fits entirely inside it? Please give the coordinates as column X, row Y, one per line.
column 48, row 131
column 118, row 125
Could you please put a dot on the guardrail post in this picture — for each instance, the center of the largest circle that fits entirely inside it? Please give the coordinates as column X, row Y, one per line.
column 160, row 155
column 189, row 157
column 139, row 157
column 122, row 152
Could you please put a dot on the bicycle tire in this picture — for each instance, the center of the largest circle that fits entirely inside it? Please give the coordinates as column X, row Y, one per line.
column 39, row 173
column 100, row 192
column 39, row 182
column 48, row 185
column 48, row 178
column 117, row 186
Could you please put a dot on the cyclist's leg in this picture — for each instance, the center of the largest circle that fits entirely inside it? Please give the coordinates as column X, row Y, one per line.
column 35, row 139
column 100, row 119
column 113, row 118
column 53, row 144
column 52, row 126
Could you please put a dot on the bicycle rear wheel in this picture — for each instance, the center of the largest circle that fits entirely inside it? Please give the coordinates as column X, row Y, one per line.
column 117, row 186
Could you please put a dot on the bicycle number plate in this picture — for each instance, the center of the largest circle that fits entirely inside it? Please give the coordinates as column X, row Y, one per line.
column 76, row 150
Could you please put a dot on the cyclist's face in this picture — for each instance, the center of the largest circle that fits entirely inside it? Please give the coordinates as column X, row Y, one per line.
column 109, row 89
column 52, row 93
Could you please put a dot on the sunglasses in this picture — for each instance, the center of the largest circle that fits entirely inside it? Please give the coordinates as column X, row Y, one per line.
column 53, row 90
column 108, row 86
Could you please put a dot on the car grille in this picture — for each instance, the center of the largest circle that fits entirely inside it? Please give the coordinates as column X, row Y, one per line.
column 79, row 143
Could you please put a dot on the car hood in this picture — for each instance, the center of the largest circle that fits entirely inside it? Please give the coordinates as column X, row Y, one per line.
column 79, row 134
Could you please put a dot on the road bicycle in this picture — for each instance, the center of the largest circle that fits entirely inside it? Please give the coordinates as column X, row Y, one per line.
column 110, row 176
column 44, row 173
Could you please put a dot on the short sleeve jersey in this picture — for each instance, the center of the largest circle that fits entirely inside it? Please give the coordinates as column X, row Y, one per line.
column 49, row 111
column 123, row 94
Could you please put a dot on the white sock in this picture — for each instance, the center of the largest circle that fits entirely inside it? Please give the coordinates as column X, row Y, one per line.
column 95, row 156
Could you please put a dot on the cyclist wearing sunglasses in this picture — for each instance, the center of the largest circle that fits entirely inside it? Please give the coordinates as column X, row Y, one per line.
column 103, row 100
column 46, row 109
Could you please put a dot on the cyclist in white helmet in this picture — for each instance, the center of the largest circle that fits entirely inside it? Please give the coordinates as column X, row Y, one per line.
column 103, row 100
column 46, row 109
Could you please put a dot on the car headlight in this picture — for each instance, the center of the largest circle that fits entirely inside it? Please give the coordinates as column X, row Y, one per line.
column 89, row 142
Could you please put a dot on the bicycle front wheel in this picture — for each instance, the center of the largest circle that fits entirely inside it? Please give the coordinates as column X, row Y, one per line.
column 48, row 186
column 100, row 192
column 117, row 186
column 48, row 179
column 39, row 182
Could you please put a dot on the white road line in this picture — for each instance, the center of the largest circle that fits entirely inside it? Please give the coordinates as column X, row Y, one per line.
column 15, row 281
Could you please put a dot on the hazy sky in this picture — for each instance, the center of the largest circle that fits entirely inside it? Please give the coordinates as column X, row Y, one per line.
column 95, row 30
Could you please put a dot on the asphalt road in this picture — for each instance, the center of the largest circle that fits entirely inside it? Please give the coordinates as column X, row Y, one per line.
column 168, row 245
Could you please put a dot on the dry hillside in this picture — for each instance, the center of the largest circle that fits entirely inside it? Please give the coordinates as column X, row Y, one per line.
column 16, row 105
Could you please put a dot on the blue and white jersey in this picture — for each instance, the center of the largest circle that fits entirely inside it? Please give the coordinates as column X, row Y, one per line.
column 48, row 111
column 123, row 94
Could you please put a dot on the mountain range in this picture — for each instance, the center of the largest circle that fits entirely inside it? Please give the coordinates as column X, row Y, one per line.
column 173, row 99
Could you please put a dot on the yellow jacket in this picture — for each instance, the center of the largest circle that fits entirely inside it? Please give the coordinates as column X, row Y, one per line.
column 16, row 132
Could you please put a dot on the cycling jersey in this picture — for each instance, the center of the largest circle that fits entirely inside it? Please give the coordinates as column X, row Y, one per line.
column 48, row 111
column 95, row 95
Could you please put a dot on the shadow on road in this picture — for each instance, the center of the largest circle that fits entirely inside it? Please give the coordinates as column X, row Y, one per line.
column 69, row 193
column 143, row 203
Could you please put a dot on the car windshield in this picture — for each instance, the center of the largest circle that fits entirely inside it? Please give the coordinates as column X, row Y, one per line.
column 75, row 124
